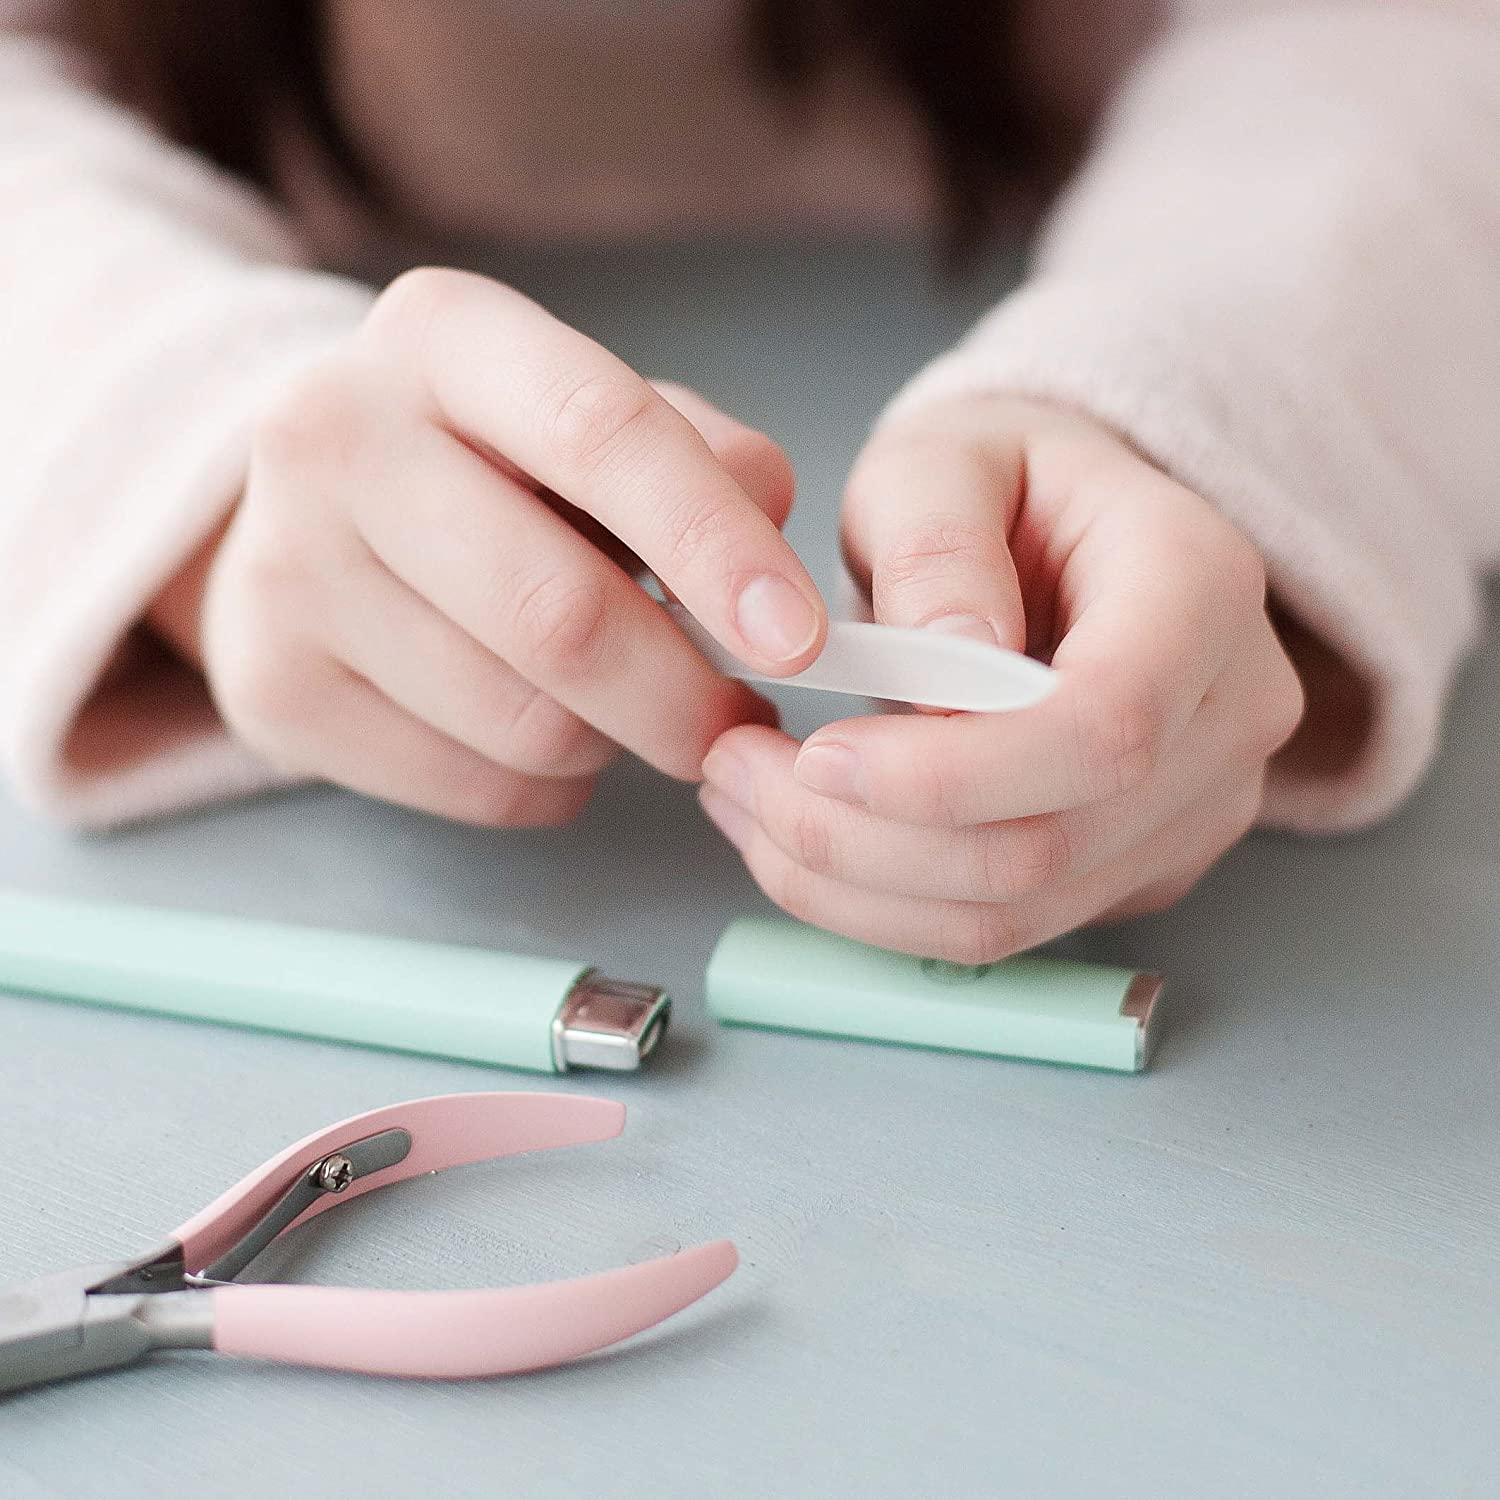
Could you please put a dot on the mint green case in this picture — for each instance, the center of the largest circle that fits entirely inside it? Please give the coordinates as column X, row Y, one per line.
column 783, row 975
column 436, row 998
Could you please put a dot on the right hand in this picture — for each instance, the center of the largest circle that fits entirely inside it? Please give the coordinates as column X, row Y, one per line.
column 399, row 605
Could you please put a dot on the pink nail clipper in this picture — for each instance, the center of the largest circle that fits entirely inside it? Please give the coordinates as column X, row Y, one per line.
column 183, row 1296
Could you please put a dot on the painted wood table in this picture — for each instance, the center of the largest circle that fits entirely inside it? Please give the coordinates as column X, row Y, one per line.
column 1268, row 1267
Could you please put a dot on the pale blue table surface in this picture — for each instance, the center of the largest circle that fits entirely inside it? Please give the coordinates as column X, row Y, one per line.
column 1268, row 1267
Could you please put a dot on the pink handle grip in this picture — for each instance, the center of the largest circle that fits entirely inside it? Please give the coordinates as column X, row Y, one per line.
column 447, row 1130
column 457, row 1335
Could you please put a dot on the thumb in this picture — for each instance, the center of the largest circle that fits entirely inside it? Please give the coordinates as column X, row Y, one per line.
column 927, row 514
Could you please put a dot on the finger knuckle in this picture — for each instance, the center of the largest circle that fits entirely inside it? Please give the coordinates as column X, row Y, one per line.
column 980, row 935
column 892, row 450
column 412, row 303
column 1022, row 858
column 1119, row 738
column 930, row 795
column 785, row 882
column 595, row 418
column 313, row 421
column 263, row 693
column 695, row 528
column 500, row 799
column 751, row 449
column 548, row 803
column 760, row 447
column 809, row 840
column 933, row 547
column 559, row 625
column 543, row 735
column 763, row 469
column 262, row 573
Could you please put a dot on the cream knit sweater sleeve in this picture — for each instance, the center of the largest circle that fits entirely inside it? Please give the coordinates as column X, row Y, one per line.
column 150, row 307
column 1279, row 275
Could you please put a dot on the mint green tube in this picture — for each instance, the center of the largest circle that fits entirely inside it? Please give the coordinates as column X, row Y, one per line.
column 785, row 976
column 443, row 999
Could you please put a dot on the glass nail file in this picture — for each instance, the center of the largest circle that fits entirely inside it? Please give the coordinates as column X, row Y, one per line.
column 904, row 666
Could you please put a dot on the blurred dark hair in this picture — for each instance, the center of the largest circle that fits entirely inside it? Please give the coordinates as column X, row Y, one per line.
column 216, row 74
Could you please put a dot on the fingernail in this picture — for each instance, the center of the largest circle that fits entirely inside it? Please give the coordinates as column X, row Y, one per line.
column 776, row 618
column 970, row 626
column 729, row 775
column 833, row 771
column 728, row 817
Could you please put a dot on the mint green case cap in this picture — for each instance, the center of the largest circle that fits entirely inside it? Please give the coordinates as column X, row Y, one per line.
column 786, row 976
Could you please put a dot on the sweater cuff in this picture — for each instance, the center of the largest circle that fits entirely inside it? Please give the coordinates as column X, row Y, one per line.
column 1259, row 436
column 101, row 725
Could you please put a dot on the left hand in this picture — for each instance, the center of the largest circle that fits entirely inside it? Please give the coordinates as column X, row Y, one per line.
column 972, row 836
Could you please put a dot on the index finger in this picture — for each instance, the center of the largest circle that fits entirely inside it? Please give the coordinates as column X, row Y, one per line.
column 504, row 373
column 1148, row 639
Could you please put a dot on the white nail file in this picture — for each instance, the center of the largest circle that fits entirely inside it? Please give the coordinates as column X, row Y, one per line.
column 906, row 666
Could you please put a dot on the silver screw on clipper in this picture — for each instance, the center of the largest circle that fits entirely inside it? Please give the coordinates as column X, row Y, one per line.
column 335, row 1173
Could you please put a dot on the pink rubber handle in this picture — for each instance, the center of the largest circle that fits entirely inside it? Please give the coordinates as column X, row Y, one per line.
column 448, row 1130
column 457, row 1335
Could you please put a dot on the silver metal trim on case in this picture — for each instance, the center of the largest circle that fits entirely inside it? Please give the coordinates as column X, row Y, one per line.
column 609, row 1023
column 1141, row 1005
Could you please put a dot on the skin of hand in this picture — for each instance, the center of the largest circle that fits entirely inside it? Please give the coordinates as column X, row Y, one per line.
column 969, row 837
column 426, row 593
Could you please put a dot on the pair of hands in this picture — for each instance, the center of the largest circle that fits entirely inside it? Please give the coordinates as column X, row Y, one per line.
column 426, row 594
